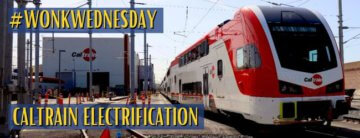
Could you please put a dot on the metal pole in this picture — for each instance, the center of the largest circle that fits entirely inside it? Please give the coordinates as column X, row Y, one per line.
column 27, row 63
column 74, row 73
column 59, row 74
column 37, row 51
column 6, row 41
column 53, row 42
column 30, row 64
column 150, row 66
column 91, row 90
column 146, row 79
column 341, row 35
column 21, row 57
column 3, row 37
column 132, row 57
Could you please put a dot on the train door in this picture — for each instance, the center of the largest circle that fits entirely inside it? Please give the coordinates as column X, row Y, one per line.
column 218, row 74
column 180, row 88
column 206, row 89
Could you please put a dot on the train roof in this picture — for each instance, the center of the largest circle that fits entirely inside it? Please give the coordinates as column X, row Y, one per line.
column 273, row 14
column 290, row 15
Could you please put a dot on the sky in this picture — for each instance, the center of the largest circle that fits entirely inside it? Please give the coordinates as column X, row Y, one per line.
column 181, row 29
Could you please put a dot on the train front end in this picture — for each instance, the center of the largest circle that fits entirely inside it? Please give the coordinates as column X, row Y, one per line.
column 308, row 81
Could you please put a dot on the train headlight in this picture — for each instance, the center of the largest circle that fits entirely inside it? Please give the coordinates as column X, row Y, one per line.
column 337, row 86
column 289, row 88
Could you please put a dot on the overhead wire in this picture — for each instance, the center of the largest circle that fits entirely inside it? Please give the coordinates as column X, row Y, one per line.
column 352, row 38
column 229, row 6
column 294, row 2
column 186, row 6
column 185, row 26
column 306, row 1
column 122, row 1
column 277, row 4
column 203, row 17
column 186, row 17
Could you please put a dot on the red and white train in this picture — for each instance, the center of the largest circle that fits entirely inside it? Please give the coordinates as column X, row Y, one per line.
column 272, row 65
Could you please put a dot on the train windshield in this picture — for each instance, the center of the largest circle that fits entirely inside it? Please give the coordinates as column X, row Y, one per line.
column 303, row 48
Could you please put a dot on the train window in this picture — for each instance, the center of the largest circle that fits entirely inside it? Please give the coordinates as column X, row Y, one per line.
column 180, row 86
column 313, row 55
column 196, row 53
column 193, row 55
column 198, row 49
column 240, row 58
column 220, row 68
column 182, row 61
column 175, row 79
column 309, row 49
column 202, row 50
column 248, row 57
column 253, row 57
column 206, row 47
column 168, row 72
column 188, row 59
column 194, row 87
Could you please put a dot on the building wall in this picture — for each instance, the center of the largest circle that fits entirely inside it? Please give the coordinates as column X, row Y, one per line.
column 352, row 75
column 151, row 75
column 109, row 58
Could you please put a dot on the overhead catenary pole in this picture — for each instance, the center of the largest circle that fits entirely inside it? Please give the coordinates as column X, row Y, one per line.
column 132, row 57
column 59, row 75
column 22, row 98
column 341, row 35
column 27, row 63
column 74, row 72
column 6, row 42
column 146, row 79
column 37, row 51
column 30, row 64
column 53, row 42
column 91, row 90
column 151, row 70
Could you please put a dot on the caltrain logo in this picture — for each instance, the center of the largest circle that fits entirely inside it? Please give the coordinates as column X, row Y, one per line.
column 85, row 54
column 212, row 71
column 316, row 79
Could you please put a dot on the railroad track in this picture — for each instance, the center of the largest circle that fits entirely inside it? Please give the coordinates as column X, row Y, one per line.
column 250, row 129
column 215, row 129
column 84, row 133
column 136, row 133
column 355, row 120
column 257, row 130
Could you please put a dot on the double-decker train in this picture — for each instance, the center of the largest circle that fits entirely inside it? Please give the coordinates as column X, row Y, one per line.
column 271, row 65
